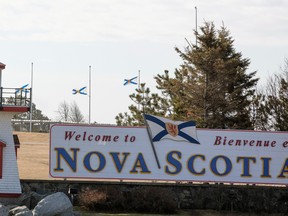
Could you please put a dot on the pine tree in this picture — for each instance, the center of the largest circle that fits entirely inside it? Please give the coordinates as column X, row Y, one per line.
column 211, row 86
column 144, row 102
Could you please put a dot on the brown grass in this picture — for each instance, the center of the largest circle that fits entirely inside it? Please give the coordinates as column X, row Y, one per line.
column 33, row 155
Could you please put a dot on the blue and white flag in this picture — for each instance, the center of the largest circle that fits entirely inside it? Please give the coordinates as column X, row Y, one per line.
column 80, row 91
column 22, row 89
column 130, row 81
column 163, row 128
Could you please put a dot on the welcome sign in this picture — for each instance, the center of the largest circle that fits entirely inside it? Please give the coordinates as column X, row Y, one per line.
column 175, row 152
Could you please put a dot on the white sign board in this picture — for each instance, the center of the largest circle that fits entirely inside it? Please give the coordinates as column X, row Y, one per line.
column 100, row 152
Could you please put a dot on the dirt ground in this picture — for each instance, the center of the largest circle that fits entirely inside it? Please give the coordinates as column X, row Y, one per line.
column 33, row 155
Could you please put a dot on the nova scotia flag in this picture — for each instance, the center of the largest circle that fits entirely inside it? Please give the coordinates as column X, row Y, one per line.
column 163, row 128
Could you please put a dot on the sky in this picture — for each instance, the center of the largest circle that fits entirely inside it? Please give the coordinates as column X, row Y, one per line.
column 62, row 38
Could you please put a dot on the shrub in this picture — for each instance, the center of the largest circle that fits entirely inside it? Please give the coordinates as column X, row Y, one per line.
column 93, row 199
column 102, row 198
column 137, row 199
column 153, row 200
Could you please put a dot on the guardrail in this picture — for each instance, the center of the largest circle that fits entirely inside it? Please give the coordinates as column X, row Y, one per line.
column 20, row 97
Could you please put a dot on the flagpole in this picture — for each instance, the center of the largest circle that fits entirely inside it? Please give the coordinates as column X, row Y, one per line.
column 139, row 87
column 139, row 79
column 31, row 106
column 196, row 24
column 89, row 94
column 151, row 142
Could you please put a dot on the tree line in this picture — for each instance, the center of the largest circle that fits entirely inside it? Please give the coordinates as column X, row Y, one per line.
column 214, row 88
column 65, row 113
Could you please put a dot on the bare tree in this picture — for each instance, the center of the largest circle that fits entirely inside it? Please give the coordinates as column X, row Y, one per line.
column 271, row 104
column 63, row 111
column 69, row 112
column 75, row 113
column 277, row 98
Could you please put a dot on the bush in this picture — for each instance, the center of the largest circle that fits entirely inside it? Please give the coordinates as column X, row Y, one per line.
column 153, row 200
column 137, row 199
column 102, row 198
column 93, row 199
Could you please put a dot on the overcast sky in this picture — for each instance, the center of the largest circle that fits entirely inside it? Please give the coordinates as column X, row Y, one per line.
column 119, row 38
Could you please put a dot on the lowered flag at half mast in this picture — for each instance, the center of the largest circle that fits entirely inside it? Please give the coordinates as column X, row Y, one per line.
column 130, row 81
column 163, row 128
column 22, row 89
column 80, row 91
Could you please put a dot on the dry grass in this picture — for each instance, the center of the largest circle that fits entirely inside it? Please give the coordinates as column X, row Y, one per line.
column 33, row 155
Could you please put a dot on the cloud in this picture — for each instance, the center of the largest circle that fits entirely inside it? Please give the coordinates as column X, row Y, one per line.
column 89, row 20
column 156, row 20
column 251, row 22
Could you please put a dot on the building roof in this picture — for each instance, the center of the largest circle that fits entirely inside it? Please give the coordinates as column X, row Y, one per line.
column 2, row 66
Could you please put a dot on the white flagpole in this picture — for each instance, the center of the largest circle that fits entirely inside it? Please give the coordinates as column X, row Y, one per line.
column 139, row 87
column 196, row 24
column 31, row 106
column 89, row 94
column 139, row 79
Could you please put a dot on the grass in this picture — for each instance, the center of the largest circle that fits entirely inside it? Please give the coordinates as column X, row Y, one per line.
column 33, row 155
column 179, row 213
column 89, row 213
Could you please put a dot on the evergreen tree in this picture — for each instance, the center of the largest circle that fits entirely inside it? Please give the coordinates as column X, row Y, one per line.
column 144, row 102
column 260, row 116
column 36, row 115
column 211, row 86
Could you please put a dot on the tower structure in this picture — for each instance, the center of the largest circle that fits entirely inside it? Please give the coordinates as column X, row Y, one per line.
column 12, row 101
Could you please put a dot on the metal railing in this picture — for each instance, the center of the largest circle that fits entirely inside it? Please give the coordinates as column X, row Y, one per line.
column 20, row 97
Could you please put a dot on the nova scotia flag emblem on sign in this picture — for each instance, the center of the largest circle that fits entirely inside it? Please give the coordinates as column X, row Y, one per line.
column 163, row 128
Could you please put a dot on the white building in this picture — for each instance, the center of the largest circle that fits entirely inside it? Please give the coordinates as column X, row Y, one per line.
column 12, row 101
